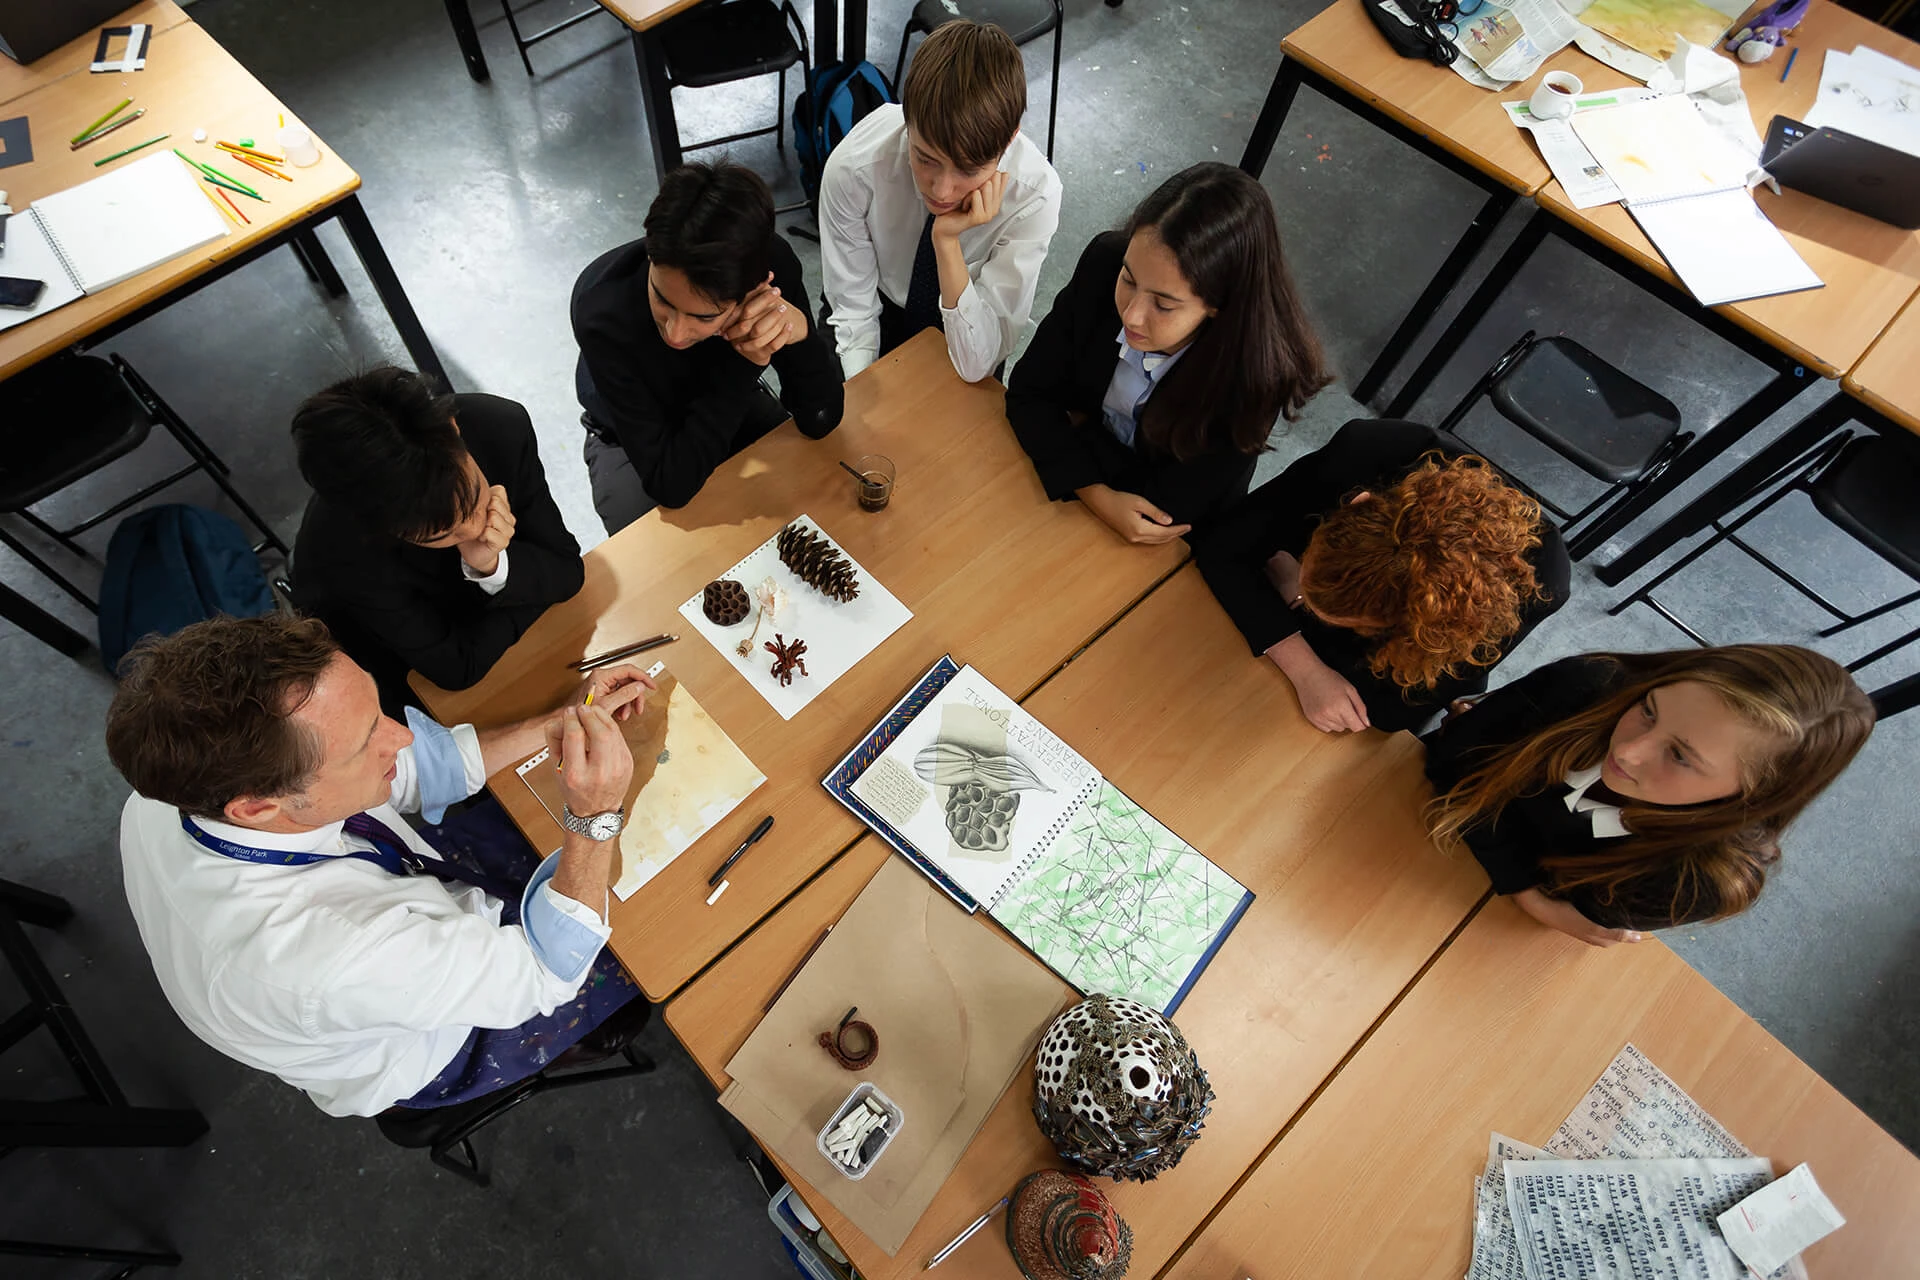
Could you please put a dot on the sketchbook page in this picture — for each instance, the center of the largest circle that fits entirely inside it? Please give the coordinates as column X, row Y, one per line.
column 687, row 777
column 1496, row 1253
column 30, row 257
column 1869, row 96
column 1628, row 1219
column 1723, row 248
column 1659, row 148
column 837, row 634
column 1120, row 905
column 117, row 226
column 976, row 785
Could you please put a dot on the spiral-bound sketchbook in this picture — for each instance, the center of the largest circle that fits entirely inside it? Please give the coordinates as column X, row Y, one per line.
column 1003, row 815
column 93, row 236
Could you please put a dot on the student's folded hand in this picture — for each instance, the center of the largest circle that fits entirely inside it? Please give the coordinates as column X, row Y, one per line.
column 482, row 554
column 1329, row 700
column 765, row 323
column 1130, row 515
column 1556, row 913
column 977, row 208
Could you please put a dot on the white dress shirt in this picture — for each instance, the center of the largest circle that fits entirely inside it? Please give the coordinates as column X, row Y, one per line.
column 871, row 217
column 491, row 583
column 1605, row 817
column 354, row 984
column 1135, row 375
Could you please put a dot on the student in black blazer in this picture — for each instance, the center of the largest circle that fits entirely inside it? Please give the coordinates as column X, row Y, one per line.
column 1155, row 380
column 431, row 543
column 675, row 331
column 1385, row 573
column 1613, row 793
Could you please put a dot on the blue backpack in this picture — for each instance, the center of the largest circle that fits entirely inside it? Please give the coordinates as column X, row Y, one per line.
column 837, row 97
column 171, row 566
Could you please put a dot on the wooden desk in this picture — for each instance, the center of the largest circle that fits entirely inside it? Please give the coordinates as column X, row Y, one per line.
column 1888, row 378
column 993, row 571
column 76, row 55
column 1506, row 1032
column 1351, row 900
column 190, row 82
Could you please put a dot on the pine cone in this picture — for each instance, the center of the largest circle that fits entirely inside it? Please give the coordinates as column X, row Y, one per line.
column 815, row 562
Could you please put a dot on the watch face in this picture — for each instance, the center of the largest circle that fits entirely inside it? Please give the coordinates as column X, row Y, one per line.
column 604, row 826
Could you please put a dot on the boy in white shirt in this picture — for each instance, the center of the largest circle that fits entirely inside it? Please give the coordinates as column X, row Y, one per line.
column 937, row 213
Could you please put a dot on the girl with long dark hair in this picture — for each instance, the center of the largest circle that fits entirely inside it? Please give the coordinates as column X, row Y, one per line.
column 1615, row 792
column 1153, row 384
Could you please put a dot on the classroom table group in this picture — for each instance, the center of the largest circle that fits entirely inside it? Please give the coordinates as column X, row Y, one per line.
column 1377, row 1011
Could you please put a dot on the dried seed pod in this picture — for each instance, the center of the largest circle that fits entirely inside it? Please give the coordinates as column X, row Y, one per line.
column 725, row 602
column 817, row 563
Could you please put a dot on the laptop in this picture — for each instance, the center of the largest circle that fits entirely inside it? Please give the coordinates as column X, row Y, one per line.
column 1854, row 173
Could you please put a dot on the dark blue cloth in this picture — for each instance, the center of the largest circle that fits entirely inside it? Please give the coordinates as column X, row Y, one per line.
column 484, row 840
column 922, row 306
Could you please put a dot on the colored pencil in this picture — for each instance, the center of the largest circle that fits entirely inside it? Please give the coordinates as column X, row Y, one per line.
column 267, row 169
column 98, row 134
column 130, row 150
column 224, row 215
column 124, row 103
column 1791, row 55
column 236, row 209
column 230, row 180
column 246, row 150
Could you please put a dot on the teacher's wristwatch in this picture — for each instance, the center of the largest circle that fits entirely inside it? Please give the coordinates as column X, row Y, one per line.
column 595, row 826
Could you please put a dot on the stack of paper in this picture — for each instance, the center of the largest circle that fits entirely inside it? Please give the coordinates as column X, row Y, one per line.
column 1869, row 95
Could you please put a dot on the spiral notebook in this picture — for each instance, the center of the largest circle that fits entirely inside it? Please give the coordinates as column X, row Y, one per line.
column 93, row 236
column 1004, row 816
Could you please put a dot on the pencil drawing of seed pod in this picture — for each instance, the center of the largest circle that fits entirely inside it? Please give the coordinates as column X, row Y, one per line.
column 980, row 819
column 952, row 764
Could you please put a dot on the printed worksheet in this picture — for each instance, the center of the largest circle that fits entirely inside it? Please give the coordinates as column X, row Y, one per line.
column 1628, row 1219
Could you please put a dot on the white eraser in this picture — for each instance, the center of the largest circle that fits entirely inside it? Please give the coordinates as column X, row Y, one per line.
column 199, row 135
column 1778, row 1221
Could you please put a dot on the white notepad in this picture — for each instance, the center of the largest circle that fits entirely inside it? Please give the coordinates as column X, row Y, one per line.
column 93, row 236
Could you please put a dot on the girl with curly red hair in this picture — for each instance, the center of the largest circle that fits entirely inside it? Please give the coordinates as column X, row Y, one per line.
column 1385, row 574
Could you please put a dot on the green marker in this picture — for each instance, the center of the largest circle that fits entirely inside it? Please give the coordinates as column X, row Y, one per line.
column 75, row 139
column 130, row 150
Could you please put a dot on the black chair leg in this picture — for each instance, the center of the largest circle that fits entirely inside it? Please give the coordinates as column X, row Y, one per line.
column 900, row 62
column 1053, row 95
column 1877, row 611
column 507, row 8
column 1888, row 649
column 38, row 623
column 780, row 113
column 62, row 536
column 58, row 579
column 1891, row 699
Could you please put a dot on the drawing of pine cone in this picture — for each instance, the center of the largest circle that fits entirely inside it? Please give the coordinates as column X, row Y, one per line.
column 815, row 562
column 979, row 818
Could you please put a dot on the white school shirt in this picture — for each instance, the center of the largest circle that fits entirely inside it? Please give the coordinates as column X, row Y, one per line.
column 1604, row 817
column 871, row 217
column 1135, row 375
column 354, row 984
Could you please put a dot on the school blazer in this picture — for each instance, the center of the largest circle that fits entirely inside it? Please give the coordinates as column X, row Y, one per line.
column 1066, row 370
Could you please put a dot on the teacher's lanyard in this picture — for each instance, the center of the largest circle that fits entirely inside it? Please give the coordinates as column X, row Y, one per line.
column 389, row 853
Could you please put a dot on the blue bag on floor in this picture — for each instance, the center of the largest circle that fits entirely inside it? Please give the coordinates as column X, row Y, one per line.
column 837, row 97
column 171, row 566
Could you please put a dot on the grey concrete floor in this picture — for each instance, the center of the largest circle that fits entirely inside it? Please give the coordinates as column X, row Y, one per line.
column 489, row 198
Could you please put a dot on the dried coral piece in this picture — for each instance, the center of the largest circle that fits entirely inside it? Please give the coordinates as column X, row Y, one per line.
column 816, row 562
column 725, row 602
column 786, row 658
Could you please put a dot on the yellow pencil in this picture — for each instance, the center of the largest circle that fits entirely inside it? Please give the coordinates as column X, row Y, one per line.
column 224, row 215
column 589, row 701
column 237, row 149
column 269, row 170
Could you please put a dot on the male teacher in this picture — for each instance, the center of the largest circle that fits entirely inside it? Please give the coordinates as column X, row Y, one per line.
column 299, row 925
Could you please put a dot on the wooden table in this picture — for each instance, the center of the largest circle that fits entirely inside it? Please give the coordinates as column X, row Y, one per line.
column 1506, row 1032
column 189, row 82
column 1351, row 901
column 76, row 55
column 1870, row 270
column 1007, row 580
column 1888, row 378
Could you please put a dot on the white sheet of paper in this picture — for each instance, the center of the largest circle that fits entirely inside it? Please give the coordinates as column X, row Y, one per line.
column 1774, row 1224
column 1659, row 148
column 1869, row 98
column 1628, row 1219
column 837, row 635
column 1723, row 248
column 1584, row 181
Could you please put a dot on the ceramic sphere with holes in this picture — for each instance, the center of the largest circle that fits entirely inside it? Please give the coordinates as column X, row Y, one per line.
column 1117, row 1090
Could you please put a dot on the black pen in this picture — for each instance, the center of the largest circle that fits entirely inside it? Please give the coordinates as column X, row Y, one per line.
column 766, row 825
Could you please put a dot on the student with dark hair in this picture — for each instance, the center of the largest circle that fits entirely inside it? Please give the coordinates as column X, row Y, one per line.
column 937, row 213
column 675, row 332
column 1385, row 574
column 1154, row 382
column 1613, row 793
column 431, row 542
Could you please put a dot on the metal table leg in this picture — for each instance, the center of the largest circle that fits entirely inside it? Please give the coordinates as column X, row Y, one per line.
column 392, row 295
column 319, row 267
column 855, row 23
column 461, row 16
column 663, row 130
column 1890, row 700
column 1266, row 131
column 38, row 623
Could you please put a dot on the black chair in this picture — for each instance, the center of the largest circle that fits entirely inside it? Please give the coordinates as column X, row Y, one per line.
column 1024, row 20
column 1609, row 425
column 524, row 43
column 68, row 416
column 447, row 1132
column 1865, row 484
column 715, row 44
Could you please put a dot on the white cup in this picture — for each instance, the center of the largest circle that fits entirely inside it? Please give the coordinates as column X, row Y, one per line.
column 1553, row 100
column 298, row 144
